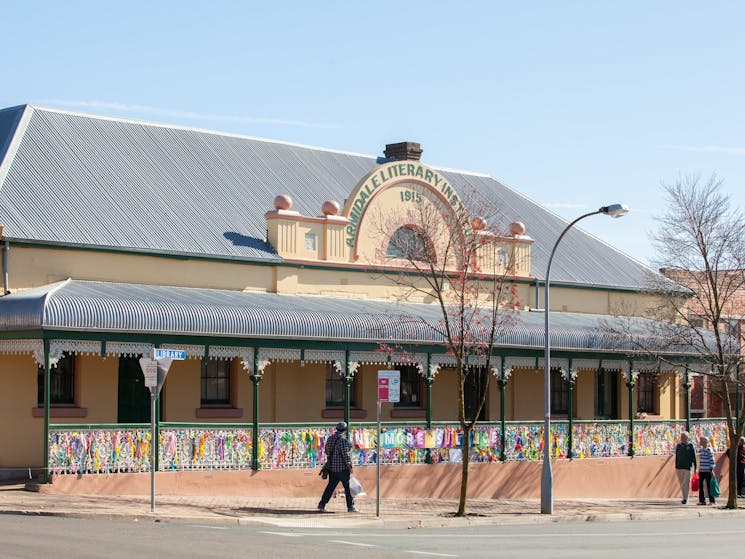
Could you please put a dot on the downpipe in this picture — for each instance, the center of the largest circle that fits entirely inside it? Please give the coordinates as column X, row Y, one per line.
column 6, row 249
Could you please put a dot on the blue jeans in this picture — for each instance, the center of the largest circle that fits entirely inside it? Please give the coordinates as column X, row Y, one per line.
column 334, row 479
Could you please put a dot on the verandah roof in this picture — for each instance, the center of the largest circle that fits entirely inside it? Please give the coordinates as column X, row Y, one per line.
column 102, row 307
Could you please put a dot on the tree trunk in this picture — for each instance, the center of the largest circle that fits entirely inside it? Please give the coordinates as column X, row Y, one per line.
column 465, row 449
column 732, row 472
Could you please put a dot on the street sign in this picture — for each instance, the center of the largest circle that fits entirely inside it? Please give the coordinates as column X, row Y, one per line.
column 160, row 353
column 155, row 371
column 389, row 386
column 389, row 390
column 150, row 370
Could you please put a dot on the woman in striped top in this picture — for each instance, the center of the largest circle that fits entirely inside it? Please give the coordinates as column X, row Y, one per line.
column 705, row 471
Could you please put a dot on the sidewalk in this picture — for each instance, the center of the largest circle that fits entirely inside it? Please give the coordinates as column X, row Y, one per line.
column 301, row 512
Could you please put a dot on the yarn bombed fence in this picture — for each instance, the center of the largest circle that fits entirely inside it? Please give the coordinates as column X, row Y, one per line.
column 113, row 449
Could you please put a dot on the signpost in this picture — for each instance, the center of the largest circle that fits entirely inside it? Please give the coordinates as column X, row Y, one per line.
column 389, row 390
column 155, row 371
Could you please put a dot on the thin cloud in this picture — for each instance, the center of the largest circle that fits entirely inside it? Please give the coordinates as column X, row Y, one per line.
column 709, row 149
column 170, row 113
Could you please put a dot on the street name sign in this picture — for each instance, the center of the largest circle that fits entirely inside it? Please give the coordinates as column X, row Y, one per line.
column 161, row 353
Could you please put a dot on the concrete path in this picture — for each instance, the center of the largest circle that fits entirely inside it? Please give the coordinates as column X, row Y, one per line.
column 301, row 512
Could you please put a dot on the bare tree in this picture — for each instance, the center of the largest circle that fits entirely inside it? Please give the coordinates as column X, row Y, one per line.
column 701, row 246
column 453, row 259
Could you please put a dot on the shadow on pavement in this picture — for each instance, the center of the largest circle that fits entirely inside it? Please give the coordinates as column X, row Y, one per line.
column 280, row 511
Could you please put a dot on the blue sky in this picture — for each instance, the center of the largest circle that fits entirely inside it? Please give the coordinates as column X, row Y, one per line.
column 574, row 104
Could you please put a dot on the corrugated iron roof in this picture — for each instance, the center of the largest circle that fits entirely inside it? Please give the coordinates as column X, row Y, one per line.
column 89, row 306
column 104, row 182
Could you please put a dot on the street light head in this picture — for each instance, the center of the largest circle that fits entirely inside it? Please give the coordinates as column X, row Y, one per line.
column 615, row 210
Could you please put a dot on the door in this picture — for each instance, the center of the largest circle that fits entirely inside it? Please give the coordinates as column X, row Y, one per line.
column 606, row 397
column 473, row 390
column 134, row 396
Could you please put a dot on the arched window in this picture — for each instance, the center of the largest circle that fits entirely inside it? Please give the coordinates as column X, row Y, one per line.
column 409, row 244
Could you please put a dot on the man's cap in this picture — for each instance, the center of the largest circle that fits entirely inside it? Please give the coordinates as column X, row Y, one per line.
column 341, row 426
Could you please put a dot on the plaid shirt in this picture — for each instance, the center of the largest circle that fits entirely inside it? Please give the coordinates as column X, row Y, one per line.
column 338, row 453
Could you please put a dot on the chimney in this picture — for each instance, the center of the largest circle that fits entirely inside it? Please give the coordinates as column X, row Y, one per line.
column 403, row 151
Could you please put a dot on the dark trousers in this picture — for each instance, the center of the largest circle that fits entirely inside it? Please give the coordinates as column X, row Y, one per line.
column 704, row 478
column 334, row 479
column 741, row 479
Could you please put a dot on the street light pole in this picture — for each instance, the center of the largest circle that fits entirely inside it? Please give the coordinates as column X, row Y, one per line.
column 547, row 476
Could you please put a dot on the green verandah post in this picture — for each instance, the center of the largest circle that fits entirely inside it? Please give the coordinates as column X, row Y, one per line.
column 503, row 435
column 347, row 393
column 348, row 378
column 255, row 379
column 47, row 396
column 570, row 442
column 687, row 386
column 429, row 379
column 630, row 386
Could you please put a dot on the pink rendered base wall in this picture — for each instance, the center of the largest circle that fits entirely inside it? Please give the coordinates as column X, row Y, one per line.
column 641, row 477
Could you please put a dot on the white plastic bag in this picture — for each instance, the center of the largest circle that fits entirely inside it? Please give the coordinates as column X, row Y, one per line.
column 356, row 487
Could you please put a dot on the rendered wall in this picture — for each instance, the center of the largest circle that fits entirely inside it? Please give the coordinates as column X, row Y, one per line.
column 181, row 395
column 584, row 391
column 33, row 267
column 181, row 391
column 268, row 388
column 301, row 392
column 666, row 385
column 509, row 400
column 575, row 300
column 445, row 396
column 527, row 386
column 21, row 435
column 96, row 384
column 493, row 399
column 623, row 398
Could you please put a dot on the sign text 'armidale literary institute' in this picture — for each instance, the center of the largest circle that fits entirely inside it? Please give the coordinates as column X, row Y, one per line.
column 394, row 172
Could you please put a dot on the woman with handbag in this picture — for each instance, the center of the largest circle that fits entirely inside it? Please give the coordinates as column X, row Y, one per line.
column 705, row 471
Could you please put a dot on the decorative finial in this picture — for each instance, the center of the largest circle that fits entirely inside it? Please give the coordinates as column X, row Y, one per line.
column 282, row 202
column 478, row 223
column 517, row 228
column 330, row 207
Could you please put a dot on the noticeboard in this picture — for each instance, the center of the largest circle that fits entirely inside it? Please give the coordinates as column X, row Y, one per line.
column 389, row 386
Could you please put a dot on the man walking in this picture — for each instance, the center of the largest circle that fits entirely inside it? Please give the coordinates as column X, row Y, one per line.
column 339, row 463
column 685, row 459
